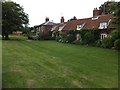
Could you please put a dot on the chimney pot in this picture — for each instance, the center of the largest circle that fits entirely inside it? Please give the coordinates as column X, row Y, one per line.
column 47, row 19
column 62, row 19
column 96, row 12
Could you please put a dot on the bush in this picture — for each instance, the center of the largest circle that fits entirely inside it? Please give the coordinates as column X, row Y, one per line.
column 98, row 43
column 107, row 43
column 88, row 38
column 115, row 34
column 76, row 42
column 117, row 44
column 46, row 35
column 70, row 38
column 57, row 38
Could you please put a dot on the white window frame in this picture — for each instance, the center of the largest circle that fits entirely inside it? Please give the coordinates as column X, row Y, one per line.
column 80, row 26
column 103, row 36
column 60, row 28
column 53, row 35
column 53, row 28
column 103, row 25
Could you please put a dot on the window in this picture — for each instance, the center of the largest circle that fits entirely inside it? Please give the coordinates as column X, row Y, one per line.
column 103, row 36
column 42, row 28
column 103, row 25
column 60, row 28
column 53, row 28
column 53, row 35
column 79, row 27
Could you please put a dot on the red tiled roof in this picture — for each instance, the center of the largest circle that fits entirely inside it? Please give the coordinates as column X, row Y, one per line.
column 57, row 25
column 89, row 23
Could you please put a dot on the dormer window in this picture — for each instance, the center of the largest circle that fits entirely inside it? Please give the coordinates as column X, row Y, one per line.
column 79, row 27
column 60, row 28
column 53, row 28
column 103, row 25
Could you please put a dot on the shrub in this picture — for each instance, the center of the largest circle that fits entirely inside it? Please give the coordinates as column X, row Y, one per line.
column 76, row 42
column 115, row 34
column 88, row 38
column 57, row 38
column 98, row 43
column 70, row 38
column 107, row 43
column 117, row 44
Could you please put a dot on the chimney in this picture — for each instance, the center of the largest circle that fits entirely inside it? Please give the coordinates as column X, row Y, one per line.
column 47, row 19
column 96, row 12
column 62, row 20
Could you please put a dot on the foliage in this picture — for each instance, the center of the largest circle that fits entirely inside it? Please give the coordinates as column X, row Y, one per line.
column 13, row 18
column 46, row 35
column 115, row 34
column 117, row 44
column 88, row 37
column 117, row 15
column 74, row 18
column 71, row 38
column 98, row 43
column 57, row 38
column 33, row 36
column 40, row 35
column 66, row 37
column 108, row 7
column 26, row 30
column 107, row 43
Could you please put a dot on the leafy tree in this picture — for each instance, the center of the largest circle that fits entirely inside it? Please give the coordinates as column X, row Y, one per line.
column 117, row 44
column 117, row 15
column 13, row 18
column 0, row 18
column 26, row 30
column 74, row 18
column 108, row 7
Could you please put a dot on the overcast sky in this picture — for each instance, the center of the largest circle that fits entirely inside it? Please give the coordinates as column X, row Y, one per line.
column 38, row 10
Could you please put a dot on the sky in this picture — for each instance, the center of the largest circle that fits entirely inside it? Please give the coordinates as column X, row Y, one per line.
column 38, row 10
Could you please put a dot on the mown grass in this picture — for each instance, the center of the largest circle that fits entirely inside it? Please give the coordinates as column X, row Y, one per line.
column 49, row 64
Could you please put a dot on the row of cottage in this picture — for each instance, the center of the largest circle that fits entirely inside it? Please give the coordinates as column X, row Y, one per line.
column 102, row 22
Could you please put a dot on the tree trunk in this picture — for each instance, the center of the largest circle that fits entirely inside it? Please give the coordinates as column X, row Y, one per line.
column 6, row 37
column 3, row 37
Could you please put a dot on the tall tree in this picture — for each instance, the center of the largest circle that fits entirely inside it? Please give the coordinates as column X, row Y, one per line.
column 13, row 18
column 117, row 14
column 0, row 18
column 108, row 7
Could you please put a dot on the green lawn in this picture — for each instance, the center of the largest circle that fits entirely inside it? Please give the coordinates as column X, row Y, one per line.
column 49, row 64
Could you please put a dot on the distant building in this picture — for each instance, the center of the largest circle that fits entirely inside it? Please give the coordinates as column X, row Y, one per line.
column 17, row 33
column 99, row 21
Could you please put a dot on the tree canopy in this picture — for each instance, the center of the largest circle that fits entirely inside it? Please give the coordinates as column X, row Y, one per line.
column 74, row 18
column 13, row 18
column 108, row 7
